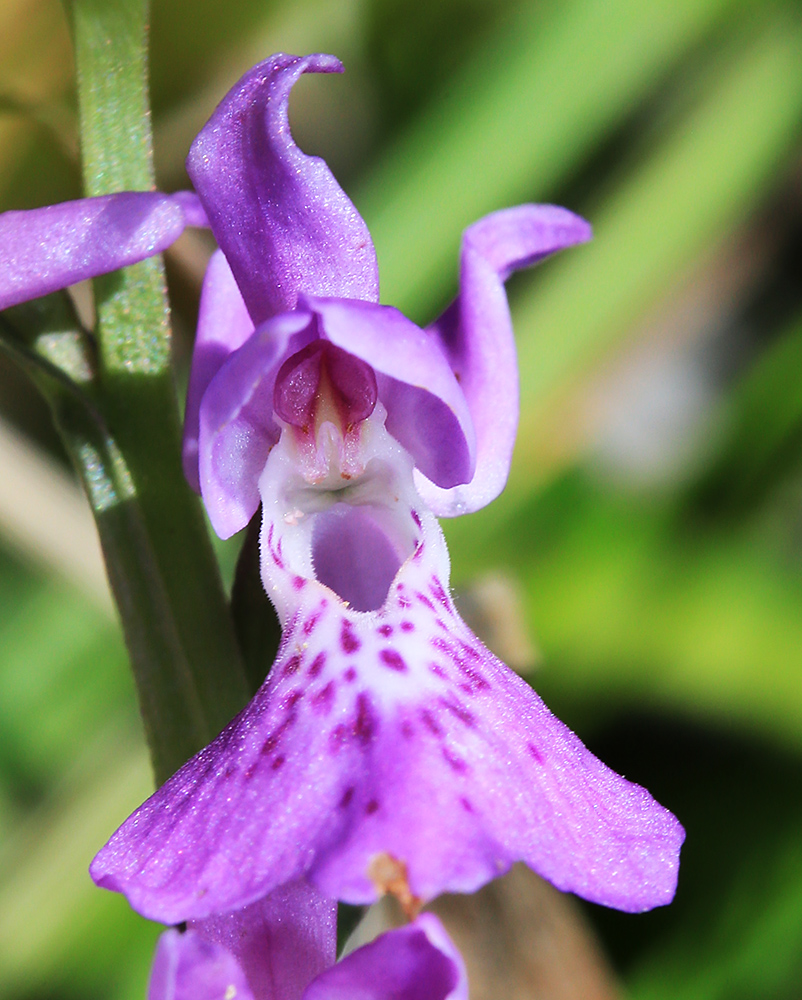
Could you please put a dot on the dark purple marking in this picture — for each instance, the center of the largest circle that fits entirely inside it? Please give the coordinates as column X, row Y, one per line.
column 348, row 794
column 292, row 665
column 311, row 621
column 249, row 772
column 350, row 675
column 278, row 762
column 416, row 518
column 403, row 600
column 292, row 698
column 431, row 723
column 279, row 556
column 438, row 671
column 439, row 594
column 444, row 646
column 407, row 729
column 298, row 583
column 470, row 650
column 533, row 750
column 455, row 763
column 348, row 640
column 407, row 626
column 418, row 553
column 460, row 711
column 371, row 807
column 272, row 740
column 317, row 665
column 394, row 660
column 323, row 699
column 424, row 599
column 466, row 805
column 365, row 723
column 477, row 681
column 230, row 772
column 385, row 630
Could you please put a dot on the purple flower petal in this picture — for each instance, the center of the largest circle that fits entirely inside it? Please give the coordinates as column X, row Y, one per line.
column 476, row 335
column 268, row 951
column 236, row 425
column 418, row 962
column 279, row 216
column 49, row 248
column 224, row 324
column 188, row 967
column 386, row 737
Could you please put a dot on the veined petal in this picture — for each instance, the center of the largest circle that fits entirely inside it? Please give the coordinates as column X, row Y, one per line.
column 383, row 739
column 224, row 324
column 476, row 335
column 417, row 962
column 268, row 951
column 280, row 217
column 45, row 249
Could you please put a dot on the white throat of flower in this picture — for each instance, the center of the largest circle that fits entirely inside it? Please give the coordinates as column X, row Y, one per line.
column 339, row 509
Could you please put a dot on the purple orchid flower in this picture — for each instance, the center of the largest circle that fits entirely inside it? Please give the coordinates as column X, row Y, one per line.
column 388, row 750
column 283, row 948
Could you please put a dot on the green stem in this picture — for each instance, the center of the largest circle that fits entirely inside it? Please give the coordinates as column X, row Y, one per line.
column 162, row 568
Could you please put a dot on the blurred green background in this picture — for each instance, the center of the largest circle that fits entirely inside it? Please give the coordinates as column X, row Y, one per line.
column 651, row 533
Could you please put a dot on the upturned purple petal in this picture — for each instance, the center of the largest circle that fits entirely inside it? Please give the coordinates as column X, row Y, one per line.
column 476, row 334
column 386, row 737
column 283, row 222
column 224, row 324
column 268, row 951
column 45, row 249
column 417, row 962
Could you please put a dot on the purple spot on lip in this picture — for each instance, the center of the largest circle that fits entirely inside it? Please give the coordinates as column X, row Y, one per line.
column 350, row 674
column 424, row 600
column 292, row 665
column 466, row 805
column 477, row 681
column 323, row 699
column 298, row 582
column 278, row 762
column 439, row 594
column 371, row 807
column 462, row 713
column 317, row 664
column 431, row 723
column 438, row 671
column 456, row 763
column 348, row 640
column 365, row 721
column 272, row 740
column 394, row 660
column 407, row 730
column 385, row 630
column 533, row 750
column 293, row 698
column 348, row 794
column 407, row 626
column 416, row 518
